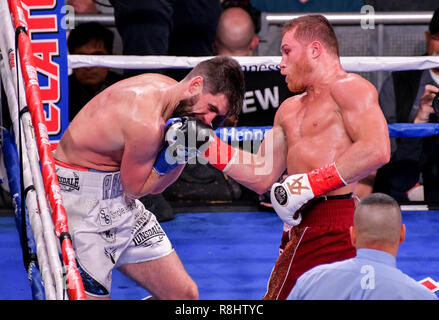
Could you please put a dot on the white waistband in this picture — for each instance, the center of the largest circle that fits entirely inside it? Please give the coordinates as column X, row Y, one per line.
column 106, row 182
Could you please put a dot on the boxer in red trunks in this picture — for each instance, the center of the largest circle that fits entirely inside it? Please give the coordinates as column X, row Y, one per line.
column 320, row 238
column 328, row 138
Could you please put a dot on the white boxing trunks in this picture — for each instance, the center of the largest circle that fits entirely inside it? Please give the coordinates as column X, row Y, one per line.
column 107, row 228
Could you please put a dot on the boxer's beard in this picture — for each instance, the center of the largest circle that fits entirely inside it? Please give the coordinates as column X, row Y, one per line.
column 298, row 74
column 185, row 107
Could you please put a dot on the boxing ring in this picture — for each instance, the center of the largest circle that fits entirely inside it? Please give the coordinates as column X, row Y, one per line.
column 224, row 261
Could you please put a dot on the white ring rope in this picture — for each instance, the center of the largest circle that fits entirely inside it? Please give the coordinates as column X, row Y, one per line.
column 255, row 63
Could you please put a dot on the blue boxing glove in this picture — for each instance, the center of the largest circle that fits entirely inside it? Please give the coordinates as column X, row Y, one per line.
column 185, row 138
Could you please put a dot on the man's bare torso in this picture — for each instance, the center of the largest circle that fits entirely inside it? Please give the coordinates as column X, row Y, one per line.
column 96, row 137
column 315, row 131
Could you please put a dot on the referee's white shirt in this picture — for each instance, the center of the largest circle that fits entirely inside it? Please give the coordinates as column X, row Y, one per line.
column 371, row 275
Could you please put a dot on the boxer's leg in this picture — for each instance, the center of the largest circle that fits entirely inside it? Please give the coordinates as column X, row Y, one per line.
column 284, row 267
column 165, row 278
column 323, row 237
column 151, row 261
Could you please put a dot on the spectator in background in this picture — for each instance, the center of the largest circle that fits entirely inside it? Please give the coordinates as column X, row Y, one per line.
column 84, row 83
column 372, row 274
column 308, row 5
column 254, row 13
column 235, row 35
column 144, row 26
column 406, row 96
column 265, row 89
column 166, row 27
column 195, row 24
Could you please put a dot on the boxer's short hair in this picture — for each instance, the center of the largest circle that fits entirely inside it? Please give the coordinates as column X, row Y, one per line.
column 311, row 28
column 222, row 74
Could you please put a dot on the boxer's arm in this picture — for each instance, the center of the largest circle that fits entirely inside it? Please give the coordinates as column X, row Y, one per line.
column 366, row 126
column 160, row 182
column 137, row 174
column 254, row 171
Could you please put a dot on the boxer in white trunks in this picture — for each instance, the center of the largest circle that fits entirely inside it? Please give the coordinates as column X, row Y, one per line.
column 113, row 153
